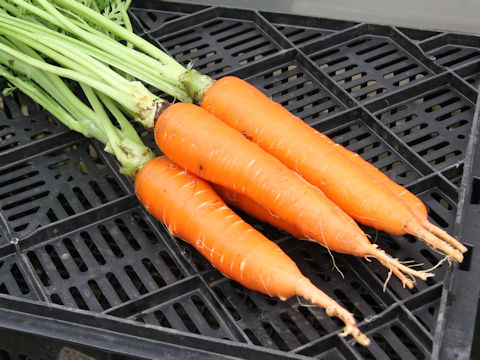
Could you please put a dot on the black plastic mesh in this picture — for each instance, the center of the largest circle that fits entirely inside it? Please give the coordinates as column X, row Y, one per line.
column 367, row 65
column 217, row 44
column 436, row 125
column 73, row 234
column 56, row 184
column 105, row 265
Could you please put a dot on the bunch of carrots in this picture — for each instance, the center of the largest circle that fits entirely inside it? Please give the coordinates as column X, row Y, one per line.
column 238, row 148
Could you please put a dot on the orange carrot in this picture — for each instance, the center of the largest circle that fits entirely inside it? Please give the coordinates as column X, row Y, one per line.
column 256, row 210
column 205, row 146
column 417, row 207
column 191, row 210
column 312, row 155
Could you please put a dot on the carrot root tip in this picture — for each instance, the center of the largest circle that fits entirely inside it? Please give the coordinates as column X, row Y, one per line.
column 398, row 267
column 442, row 234
column 349, row 329
column 316, row 296
column 436, row 243
column 359, row 337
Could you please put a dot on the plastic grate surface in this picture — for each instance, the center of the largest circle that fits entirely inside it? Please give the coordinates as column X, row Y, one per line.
column 219, row 45
column 302, row 30
column 427, row 314
column 416, row 35
column 13, row 280
column 301, row 35
column 368, row 65
column 195, row 312
column 150, row 16
column 292, row 86
column 357, row 137
column 152, row 19
column 435, row 125
column 470, row 73
column 55, row 185
column 452, row 56
column 287, row 325
column 394, row 341
column 105, row 265
column 22, row 122
column 32, row 348
column 72, row 233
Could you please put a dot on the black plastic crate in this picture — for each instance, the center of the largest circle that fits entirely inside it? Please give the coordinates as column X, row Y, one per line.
column 86, row 273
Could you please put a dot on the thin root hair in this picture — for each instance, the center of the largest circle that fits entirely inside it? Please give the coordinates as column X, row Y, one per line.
column 299, row 300
column 440, row 262
column 331, row 255
column 388, row 279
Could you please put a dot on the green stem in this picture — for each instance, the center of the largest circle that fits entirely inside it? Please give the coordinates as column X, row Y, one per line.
column 171, row 70
column 137, row 99
column 125, row 125
column 130, row 152
column 53, row 85
column 108, row 128
column 43, row 99
column 49, row 103
column 106, row 49
column 33, row 9
column 75, row 60
column 41, row 81
column 183, row 83
column 122, row 33
column 126, row 19
column 134, row 67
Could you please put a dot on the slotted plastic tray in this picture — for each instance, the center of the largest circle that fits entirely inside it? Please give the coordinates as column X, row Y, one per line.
column 86, row 273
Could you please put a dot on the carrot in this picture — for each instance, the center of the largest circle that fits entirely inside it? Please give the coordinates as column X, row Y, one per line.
column 205, row 146
column 195, row 213
column 256, row 210
column 417, row 207
column 303, row 149
column 260, row 212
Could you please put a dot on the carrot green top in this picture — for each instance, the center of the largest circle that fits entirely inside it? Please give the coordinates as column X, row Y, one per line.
column 96, row 32
column 53, row 94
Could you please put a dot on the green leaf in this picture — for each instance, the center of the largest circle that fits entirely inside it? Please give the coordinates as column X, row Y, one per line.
column 9, row 90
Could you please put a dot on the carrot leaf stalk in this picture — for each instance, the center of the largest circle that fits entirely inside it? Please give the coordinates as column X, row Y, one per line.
column 53, row 94
column 132, row 95
column 95, row 41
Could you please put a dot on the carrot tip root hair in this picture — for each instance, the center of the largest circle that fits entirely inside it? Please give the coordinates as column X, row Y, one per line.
column 399, row 269
column 436, row 243
column 442, row 234
column 310, row 292
column 359, row 337
column 350, row 325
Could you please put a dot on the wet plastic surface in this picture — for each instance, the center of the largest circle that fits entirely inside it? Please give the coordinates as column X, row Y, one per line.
column 84, row 268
